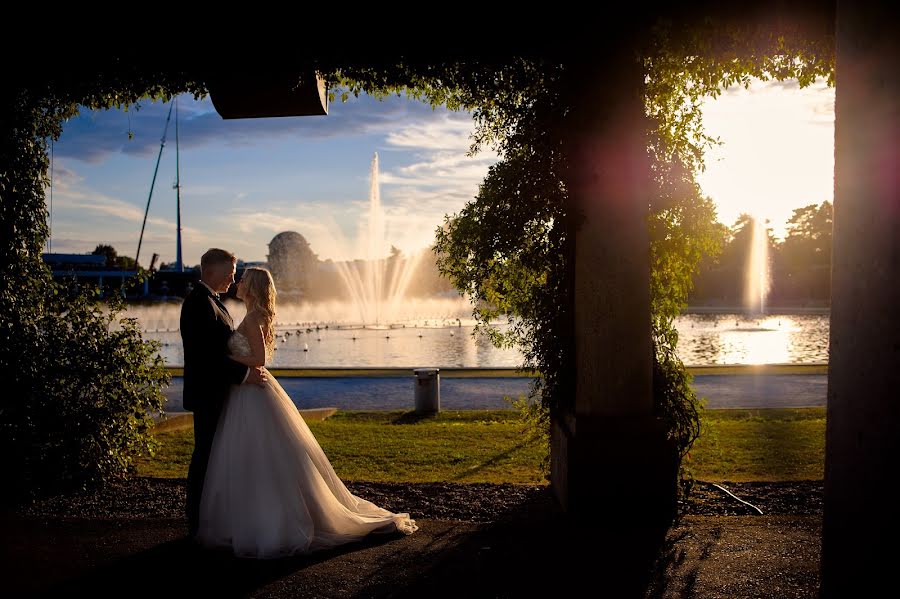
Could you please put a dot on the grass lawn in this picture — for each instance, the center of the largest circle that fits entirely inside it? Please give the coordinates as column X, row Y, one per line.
column 493, row 446
column 760, row 445
column 463, row 446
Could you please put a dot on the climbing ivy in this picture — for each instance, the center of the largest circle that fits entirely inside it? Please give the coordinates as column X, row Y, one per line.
column 509, row 248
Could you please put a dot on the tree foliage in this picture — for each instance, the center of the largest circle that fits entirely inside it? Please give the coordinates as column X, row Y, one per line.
column 509, row 248
column 81, row 407
column 799, row 266
column 80, row 385
column 803, row 259
column 113, row 258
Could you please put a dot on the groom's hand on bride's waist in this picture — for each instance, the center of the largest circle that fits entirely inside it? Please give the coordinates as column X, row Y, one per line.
column 257, row 376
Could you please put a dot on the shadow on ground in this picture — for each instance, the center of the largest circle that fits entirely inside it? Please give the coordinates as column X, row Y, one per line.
column 179, row 568
column 412, row 417
column 474, row 540
column 530, row 548
column 537, row 551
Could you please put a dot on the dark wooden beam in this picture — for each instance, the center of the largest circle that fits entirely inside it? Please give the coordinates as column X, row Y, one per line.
column 267, row 94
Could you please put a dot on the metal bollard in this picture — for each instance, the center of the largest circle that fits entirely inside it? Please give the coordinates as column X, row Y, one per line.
column 428, row 390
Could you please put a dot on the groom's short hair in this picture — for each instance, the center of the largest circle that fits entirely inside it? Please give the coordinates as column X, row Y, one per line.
column 215, row 257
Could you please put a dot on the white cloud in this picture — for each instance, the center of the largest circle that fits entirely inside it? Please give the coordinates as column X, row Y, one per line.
column 70, row 193
column 239, row 200
column 94, row 135
column 440, row 181
column 84, row 217
column 446, row 132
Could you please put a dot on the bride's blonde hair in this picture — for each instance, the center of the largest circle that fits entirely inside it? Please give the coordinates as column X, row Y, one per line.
column 260, row 298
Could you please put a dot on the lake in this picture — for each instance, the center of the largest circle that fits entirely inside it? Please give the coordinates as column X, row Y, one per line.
column 704, row 339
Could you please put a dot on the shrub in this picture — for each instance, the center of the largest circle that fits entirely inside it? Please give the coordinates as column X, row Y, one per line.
column 83, row 388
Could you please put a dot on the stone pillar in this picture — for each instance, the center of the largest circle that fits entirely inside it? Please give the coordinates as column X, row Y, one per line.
column 862, row 452
column 608, row 452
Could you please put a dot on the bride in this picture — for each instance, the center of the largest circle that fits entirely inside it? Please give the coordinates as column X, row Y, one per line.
column 269, row 489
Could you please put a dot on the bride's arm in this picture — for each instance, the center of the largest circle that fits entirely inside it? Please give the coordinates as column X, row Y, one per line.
column 252, row 330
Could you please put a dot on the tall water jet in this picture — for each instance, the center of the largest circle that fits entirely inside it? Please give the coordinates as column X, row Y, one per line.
column 756, row 287
column 377, row 284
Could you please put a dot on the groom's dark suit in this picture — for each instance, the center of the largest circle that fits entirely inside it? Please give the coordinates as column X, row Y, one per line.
column 208, row 374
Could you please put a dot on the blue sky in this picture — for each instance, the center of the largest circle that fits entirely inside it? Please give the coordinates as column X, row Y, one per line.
column 244, row 181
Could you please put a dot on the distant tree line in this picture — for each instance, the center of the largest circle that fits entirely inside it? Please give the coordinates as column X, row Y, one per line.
column 799, row 266
column 113, row 258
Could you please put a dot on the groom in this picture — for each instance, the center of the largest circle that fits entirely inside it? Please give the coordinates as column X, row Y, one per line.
column 208, row 372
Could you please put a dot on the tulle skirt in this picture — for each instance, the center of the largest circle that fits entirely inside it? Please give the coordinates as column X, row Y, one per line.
column 271, row 492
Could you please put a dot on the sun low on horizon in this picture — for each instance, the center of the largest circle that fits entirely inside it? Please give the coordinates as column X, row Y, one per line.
column 777, row 151
column 244, row 182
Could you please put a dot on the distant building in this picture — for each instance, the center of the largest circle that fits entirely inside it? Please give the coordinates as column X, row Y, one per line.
column 261, row 264
column 92, row 270
column 89, row 269
column 293, row 265
column 68, row 262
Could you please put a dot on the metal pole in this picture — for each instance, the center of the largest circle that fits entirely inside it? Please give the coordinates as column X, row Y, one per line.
column 50, row 229
column 179, row 265
column 162, row 144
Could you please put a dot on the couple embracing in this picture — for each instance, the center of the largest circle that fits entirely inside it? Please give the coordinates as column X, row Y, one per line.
column 259, row 484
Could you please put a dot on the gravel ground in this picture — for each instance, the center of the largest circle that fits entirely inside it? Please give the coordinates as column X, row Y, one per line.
column 796, row 498
column 475, row 540
column 147, row 498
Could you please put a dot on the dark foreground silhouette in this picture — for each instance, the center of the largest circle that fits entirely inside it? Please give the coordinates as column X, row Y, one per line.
column 486, row 541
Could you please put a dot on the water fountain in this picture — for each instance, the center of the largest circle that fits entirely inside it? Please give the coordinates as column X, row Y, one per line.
column 754, row 338
column 758, row 281
column 349, row 330
column 377, row 285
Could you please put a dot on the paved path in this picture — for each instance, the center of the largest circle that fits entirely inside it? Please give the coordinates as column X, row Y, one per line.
column 762, row 390
column 527, row 554
column 751, row 390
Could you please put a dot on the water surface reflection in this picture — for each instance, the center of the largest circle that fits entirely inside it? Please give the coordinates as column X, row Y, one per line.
column 703, row 340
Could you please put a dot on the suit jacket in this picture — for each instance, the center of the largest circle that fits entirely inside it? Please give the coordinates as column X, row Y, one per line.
column 208, row 372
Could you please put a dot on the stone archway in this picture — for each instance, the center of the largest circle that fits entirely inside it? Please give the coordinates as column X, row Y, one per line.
column 612, row 402
column 612, row 366
column 861, row 521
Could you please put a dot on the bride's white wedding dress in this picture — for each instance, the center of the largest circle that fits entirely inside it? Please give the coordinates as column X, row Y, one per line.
column 269, row 489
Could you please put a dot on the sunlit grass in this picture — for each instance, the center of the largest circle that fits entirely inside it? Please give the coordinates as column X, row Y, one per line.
column 760, row 445
column 493, row 446
column 463, row 446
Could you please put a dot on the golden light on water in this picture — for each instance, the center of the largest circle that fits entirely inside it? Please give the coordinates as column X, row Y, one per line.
column 765, row 343
column 737, row 339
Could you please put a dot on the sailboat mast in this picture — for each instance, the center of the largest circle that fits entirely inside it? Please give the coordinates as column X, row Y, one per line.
column 162, row 144
column 179, row 265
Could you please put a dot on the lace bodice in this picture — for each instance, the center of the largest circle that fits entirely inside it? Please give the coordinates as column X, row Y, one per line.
column 238, row 345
